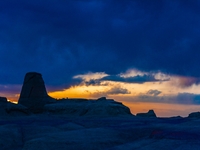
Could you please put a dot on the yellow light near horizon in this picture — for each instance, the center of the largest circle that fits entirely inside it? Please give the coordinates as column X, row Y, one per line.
column 167, row 88
column 83, row 91
column 162, row 109
column 77, row 92
column 12, row 101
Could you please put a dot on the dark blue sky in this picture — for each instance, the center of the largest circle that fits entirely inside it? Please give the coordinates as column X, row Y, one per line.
column 62, row 38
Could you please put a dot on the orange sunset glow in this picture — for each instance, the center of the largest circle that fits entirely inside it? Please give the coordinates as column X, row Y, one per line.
column 138, row 97
column 170, row 96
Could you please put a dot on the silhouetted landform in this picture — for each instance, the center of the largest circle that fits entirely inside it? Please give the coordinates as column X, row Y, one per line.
column 33, row 94
column 3, row 99
column 194, row 115
column 35, row 99
column 76, row 107
column 71, row 124
column 150, row 113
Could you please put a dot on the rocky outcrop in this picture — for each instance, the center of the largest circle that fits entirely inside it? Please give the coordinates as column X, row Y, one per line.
column 150, row 113
column 102, row 99
column 33, row 94
column 3, row 99
column 194, row 115
column 34, row 97
column 3, row 106
column 99, row 107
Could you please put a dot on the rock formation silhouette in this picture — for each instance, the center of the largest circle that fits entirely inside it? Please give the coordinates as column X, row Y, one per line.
column 150, row 113
column 194, row 115
column 81, row 107
column 33, row 94
column 3, row 99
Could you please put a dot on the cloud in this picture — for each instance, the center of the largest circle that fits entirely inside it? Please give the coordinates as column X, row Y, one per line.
column 153, row 92
column 93, row 82
column 96, row 83
column 151, row 96
column 133, row 76
column 184, row 82
column 116, row 90
column 91, row 78
column 135, row 79
column 188, row 98
column 64, row 38
column 180, row 98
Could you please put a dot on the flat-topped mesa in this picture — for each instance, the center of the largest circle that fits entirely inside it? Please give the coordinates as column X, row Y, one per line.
column 33, row 94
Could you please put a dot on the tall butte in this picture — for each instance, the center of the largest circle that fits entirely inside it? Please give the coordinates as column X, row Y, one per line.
column 33, row 94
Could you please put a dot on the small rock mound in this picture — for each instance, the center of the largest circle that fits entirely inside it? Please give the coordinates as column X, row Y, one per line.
column 150, row 113
column 102, row 99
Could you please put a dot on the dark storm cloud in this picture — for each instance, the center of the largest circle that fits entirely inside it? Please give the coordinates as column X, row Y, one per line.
column 63, row 38
column 93, row 82
column 188, row 98
column 187, row 81
column 180, row 98
column 139, row 79
column 134, row 79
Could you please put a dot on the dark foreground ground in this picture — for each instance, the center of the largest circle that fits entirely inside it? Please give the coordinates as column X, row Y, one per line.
column 43, row 132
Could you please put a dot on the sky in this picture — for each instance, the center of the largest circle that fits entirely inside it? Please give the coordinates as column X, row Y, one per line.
column 142, row 53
